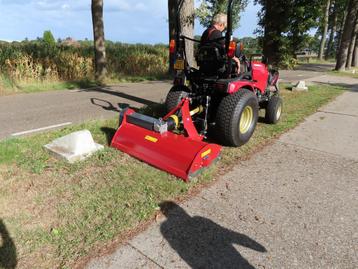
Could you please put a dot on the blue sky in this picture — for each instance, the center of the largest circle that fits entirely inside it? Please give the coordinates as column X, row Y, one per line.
column 129, row 21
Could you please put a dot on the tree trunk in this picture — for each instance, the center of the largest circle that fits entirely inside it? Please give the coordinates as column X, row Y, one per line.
column 355, row 54
column 99, row 41
column 325, row 28
column 333, row 30
column 352, row 45
column 347, row 35
column 341, row 28
column 187, row 17
column 172, row 8
column 272, row 33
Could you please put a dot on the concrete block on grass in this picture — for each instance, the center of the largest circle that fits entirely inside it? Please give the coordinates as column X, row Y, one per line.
column 300, row 86
column 74, row 147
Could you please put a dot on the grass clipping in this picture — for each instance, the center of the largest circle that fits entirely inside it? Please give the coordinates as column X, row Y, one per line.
column 57, row 213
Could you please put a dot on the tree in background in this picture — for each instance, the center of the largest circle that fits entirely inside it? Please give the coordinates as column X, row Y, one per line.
column 355, row 54
column 325, row 29
column 284, row 26
column 273, row 23
column 99, row 41
column 352, row 45
column 187, row 17
column 209, row 8
column 346, row 38
column 186, row 26
column 48, row 38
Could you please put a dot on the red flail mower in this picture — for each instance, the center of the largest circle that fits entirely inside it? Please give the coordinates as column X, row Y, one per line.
column 213, row 101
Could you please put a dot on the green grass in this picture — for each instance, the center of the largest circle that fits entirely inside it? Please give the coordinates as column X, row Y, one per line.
column 317, row 61
column 8, row 87
column 353, row 73
column 57, row 213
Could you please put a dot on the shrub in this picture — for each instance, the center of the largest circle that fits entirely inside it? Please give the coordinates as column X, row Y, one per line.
column 38, row 61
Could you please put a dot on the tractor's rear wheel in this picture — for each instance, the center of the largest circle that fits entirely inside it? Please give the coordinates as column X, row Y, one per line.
column 236, row 118
column 175, row 95
column 273, row 110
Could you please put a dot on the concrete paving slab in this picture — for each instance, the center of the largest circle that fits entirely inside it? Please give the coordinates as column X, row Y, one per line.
column 346, row 103
column 333, row 131
column 297, row 211
column 125, row 258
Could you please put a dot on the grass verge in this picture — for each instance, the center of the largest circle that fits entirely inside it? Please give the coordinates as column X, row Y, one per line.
column 9, row 87
column 57, row 213
column 353, row 73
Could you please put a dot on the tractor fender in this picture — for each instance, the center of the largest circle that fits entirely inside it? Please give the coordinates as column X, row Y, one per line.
column 235, row 86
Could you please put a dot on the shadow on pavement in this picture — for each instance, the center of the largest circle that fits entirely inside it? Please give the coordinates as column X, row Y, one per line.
column 346, row 86
column 314, row 67
column 122, row 95
column 8, row 257
column 106, row 105
column 202, row 243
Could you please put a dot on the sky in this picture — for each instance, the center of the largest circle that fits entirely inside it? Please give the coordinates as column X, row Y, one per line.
column 127, row 21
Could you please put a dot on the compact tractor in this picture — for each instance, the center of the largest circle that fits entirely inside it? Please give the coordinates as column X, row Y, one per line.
column 210, row 103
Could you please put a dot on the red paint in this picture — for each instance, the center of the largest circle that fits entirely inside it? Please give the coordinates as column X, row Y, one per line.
column 177, row 154
column 234, row 86
column 260, row 74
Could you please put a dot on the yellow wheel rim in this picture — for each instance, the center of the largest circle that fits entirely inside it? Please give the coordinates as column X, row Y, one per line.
column 246, row 119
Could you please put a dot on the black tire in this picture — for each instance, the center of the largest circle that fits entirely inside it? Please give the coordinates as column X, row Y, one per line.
column 229, row 115
column 174, row 96
column 273, row 110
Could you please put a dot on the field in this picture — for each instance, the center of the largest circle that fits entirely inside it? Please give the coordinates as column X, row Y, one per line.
column 35, row 66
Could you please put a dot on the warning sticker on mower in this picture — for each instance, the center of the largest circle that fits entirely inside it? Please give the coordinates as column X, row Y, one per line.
column 205, row 153
column 151, row 139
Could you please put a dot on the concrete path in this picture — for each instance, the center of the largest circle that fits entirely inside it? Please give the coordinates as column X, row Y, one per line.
column 292, row 205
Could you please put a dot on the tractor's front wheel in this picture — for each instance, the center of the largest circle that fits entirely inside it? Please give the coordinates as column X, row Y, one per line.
column 175, row 95
column 273, row 110
column 236, row 118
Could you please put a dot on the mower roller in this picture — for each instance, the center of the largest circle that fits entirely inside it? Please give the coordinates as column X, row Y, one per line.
column 213, row 101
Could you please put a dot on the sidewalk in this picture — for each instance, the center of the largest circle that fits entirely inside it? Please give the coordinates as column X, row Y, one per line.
column 292, row 205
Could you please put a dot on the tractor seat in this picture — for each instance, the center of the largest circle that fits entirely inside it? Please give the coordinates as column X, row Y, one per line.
column 245, row 76
column 211, row 61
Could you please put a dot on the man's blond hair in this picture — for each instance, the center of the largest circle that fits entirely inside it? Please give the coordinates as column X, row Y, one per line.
column 220, row 18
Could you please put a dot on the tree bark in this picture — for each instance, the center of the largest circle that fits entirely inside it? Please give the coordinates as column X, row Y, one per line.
column 172, row 11
column 272, row 33
column 355, row 54
column 347, row 35
column 341, row 28
column 352, row 45
column 99, row 41
column 333, row 31
column 187, row 16
column 325, row 29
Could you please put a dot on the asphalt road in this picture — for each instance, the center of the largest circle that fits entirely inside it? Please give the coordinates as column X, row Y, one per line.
column 25, row 114
column 29, row 113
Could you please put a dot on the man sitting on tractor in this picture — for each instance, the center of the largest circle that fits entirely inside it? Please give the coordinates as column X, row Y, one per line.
column 213, row 36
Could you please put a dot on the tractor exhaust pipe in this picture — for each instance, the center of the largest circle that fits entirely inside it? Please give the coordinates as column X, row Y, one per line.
column 229, row 23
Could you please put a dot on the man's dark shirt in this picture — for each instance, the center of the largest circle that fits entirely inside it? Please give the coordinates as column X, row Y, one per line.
column 212, row 36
